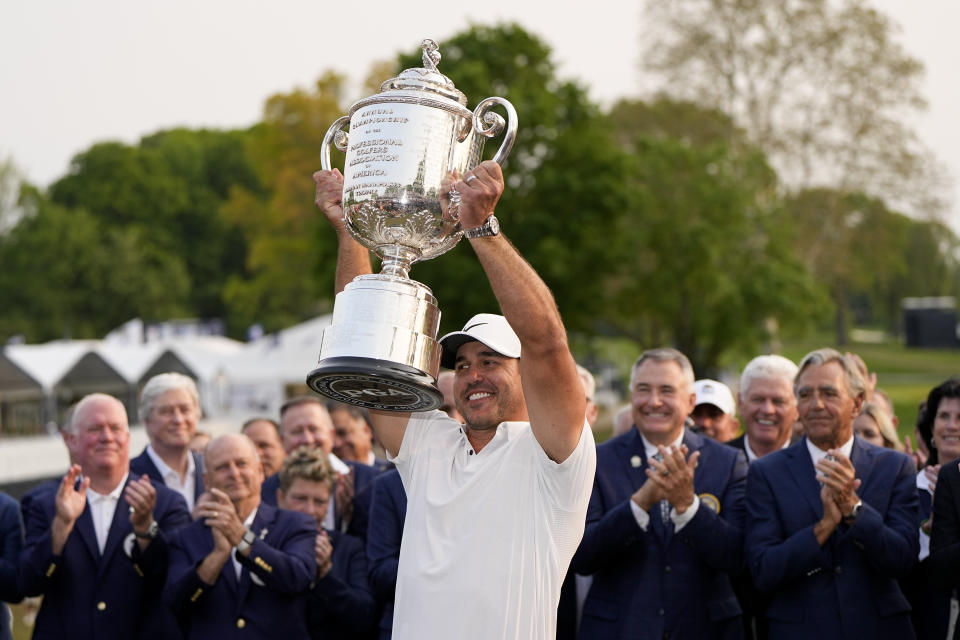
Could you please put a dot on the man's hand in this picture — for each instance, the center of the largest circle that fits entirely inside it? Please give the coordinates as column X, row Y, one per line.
column 329, row 196
column 479, row 190
column 647, row 495
column 142, row 498
column 71, row 500
column 69, row 503
column 840, row 477
column 869, row 379
column 831, row 516
column 674, row 475
column 324, row 552
column 344, row 492
column 221, row 516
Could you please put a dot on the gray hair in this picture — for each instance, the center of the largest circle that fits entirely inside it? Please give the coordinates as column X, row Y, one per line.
column 665, row 354
column 76, row 411
column 851, row 374
column 770, row 367
column 159, row 385
column 589, row 384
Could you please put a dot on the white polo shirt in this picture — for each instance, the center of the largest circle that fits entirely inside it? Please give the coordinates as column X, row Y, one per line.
column 488, row 537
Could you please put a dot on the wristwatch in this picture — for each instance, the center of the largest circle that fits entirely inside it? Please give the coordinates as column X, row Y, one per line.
column 857, row 508
column 488, row 229
column 248, row 539
column 150, row 533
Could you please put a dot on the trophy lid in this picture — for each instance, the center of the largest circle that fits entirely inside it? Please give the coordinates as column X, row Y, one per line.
column 426, row 78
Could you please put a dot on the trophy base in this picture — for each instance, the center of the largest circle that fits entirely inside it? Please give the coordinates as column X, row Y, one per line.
column 375, row 384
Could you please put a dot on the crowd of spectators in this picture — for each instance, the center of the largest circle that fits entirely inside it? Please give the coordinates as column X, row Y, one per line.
column 767, row 531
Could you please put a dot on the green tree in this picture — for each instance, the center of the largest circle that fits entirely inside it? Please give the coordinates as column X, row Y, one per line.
column 67, row 273
column 703, row 260
column 822, row 86
column 168, row 191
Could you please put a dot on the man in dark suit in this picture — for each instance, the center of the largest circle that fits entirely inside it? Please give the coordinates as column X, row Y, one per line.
column 340, row 605
column 388, row 510
column 11, row 543
column 169, row 409
column 353, row 436
column 768, row 410
column 243, row 569
column 830, row 553
column 305, row 422
column 96, row 547
column 663, row 534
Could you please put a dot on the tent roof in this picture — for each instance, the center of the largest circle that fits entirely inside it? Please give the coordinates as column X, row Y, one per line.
column 285, row 356
column 47, row 363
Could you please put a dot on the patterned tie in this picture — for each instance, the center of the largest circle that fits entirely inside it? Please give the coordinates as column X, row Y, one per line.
column 664, row 504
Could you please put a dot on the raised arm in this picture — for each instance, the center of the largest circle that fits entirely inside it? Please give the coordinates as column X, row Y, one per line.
column 555, row 400
column 353, row 260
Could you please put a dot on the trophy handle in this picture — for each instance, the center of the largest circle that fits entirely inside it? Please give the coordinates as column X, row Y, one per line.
column 337, row 137
column 489, row 123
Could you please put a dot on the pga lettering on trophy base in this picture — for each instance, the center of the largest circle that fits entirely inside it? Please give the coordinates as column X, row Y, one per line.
column 403, row 147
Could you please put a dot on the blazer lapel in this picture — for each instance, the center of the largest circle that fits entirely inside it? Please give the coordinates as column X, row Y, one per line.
column 805, row 476
column 119, row 528
column 635, row 459
column 87, row 533
column 261, row 528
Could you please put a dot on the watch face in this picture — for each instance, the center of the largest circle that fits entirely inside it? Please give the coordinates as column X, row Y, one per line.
column 494, row 225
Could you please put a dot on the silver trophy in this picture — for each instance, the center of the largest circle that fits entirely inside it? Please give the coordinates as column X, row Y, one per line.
column 406, row 147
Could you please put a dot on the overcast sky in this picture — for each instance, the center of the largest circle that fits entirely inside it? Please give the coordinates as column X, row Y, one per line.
column 73, row 73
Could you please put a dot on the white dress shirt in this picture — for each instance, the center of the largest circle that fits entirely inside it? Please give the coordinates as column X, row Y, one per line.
column 102, row 509
column 171, row 477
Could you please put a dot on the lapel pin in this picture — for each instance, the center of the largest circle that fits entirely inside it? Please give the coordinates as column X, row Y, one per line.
column 635, row 462
column 263, row 533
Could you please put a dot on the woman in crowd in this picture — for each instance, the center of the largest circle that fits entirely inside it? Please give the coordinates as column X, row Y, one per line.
column 874, row 425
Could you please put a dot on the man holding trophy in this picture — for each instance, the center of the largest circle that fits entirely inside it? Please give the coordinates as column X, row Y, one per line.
column 496, row 508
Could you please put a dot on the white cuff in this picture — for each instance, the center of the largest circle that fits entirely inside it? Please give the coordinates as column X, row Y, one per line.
column 643, row 518
column 681, row 519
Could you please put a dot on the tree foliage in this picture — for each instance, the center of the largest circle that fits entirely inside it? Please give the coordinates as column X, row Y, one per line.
column 822, row 86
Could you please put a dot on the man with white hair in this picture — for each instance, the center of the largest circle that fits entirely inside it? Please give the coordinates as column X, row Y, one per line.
column 96, row 547
column 769, row 410
column 169, row 409
column 767, row 405
column 715, row 414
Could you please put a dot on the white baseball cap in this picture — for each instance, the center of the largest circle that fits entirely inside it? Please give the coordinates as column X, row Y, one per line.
column 490, row 329
column 715, row 393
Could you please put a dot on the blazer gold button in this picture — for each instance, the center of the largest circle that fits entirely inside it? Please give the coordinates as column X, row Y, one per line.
column 241, row 623
column 101, row 605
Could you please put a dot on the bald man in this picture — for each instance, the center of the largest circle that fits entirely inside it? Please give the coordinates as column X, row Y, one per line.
column 243, row 564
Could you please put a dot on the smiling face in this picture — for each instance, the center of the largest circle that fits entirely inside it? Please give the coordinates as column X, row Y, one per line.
column 661, row 397
column 231, row 465
column 487, row 387
column 827, row 408
column 172, row 422
column 352, row 436
column 100, row 441
column 769, row 410
column 307, row 425
column 946, row 429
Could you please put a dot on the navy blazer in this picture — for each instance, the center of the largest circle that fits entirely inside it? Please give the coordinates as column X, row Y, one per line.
column 341, row 605
column 87, row 594
column 943, row 565
column 11, row 544
column 655, row 582
column 848, row 588
column 270, row 598
column 388, row 509
column 363, row 476
column 143, row 464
